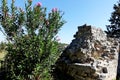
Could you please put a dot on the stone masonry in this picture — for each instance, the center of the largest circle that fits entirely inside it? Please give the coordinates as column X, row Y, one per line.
column 90, row 56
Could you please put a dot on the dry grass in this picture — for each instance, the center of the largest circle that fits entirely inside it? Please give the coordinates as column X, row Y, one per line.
column 2, row 54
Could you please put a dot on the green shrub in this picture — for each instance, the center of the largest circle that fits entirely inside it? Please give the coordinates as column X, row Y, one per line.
column 32, row 45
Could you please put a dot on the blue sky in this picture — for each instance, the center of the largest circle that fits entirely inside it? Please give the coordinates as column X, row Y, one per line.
column 77, row 12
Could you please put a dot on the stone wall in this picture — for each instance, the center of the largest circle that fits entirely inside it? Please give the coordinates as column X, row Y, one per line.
column 90, row 56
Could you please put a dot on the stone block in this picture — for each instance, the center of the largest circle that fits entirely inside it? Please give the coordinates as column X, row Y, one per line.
column 92, row 55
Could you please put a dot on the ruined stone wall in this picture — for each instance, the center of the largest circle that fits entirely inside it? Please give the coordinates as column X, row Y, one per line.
column 90, row 56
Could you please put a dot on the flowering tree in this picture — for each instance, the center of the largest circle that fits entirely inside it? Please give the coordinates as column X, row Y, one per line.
column 32, row 44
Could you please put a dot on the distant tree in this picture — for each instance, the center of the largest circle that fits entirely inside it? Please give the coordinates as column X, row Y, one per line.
column 2, row 46
column 113, row 30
